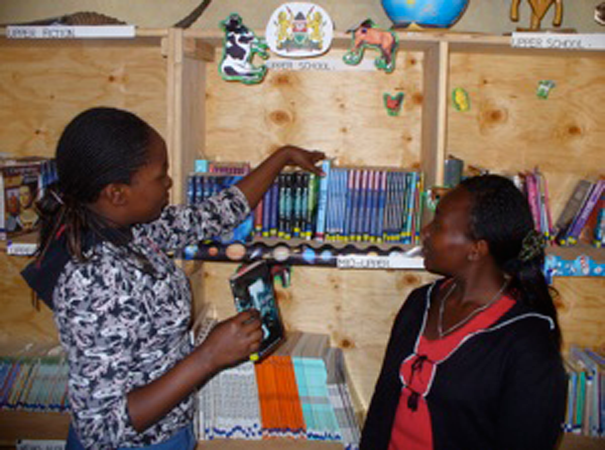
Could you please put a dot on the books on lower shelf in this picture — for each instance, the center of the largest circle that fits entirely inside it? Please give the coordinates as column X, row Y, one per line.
column 298, row 392
column 586, row 392
column 34, row 383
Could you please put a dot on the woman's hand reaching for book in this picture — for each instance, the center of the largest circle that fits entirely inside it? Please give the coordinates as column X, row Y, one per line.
column 256, row 183
column 233, row 340
column 305, row 159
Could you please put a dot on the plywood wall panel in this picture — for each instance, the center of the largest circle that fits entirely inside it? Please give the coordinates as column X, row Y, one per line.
column 581, row 308
column 42, row 87
column 340, row 113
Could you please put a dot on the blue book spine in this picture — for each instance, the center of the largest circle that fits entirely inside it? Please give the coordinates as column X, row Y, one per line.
column 281, row 208
column 304, row 204
column 289, row 205
column 388, row 208
column 312, row 205
column 267, row 204
column 356, row 174
column 331, row 205
column 322, row 201
column 274, row 210
column 363, row 210
column 341, row 204
column 375, row 180
column 382, row 192
column 367, row 235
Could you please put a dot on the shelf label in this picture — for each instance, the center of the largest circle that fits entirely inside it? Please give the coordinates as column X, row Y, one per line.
column 21, row 249
column 319, row 65
column 595, row 41
column 70, row 32
column 379, row 262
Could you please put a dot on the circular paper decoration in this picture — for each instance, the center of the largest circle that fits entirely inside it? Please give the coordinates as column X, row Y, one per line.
column 299, row 30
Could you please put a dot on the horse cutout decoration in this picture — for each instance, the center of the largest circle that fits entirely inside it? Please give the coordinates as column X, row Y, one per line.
column 367, row 35
column 239, row 47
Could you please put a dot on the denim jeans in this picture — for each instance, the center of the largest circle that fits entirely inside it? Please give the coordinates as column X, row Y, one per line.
column 184, row 439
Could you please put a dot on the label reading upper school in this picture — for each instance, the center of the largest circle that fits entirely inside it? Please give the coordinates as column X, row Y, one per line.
column 595, row 41
column 68, row 32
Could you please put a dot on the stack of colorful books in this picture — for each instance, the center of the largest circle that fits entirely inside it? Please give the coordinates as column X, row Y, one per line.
column 298, row 392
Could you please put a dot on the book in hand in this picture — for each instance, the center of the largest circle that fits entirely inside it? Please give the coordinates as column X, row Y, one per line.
column 252, row 287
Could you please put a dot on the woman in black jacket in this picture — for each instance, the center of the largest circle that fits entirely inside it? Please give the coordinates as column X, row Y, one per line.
column 473, row 360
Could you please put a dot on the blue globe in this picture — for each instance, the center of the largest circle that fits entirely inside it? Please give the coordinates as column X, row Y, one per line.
column 426, row 13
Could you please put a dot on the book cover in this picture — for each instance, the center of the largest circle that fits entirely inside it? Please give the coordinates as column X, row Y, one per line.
column 20, row 184
column 579, row 221
column 252, row 287
column 572, row 207
column 322, row 201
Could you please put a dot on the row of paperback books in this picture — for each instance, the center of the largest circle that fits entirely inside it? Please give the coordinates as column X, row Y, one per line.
column 586, row 392
column 22, row 182
column 354, row 205
column 34, row 384
column 582, row 218
column 298, row 392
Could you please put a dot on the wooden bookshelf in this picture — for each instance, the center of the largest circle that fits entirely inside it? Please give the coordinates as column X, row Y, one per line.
column 170, row 78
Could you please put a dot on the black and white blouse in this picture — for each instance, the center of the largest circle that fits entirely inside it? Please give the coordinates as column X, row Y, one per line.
column 124, row 320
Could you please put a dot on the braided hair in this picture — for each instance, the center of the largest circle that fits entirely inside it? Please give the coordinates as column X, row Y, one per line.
column 501, row 216
column 98, row 147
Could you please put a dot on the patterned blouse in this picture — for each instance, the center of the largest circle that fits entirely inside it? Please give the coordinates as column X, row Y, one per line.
column 124, row 320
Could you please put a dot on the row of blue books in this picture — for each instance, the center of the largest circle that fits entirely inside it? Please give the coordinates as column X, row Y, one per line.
column 373, row 206
column 586, row 392
column 34, row 384
column 348, row 205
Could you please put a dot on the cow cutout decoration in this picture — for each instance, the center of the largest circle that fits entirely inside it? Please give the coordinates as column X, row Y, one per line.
column 239, row 47
column 367, row 35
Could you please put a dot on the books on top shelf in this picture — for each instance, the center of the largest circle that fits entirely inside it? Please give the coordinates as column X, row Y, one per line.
column 582, row 218
column 210, row 178
column 298, row 392
column 584, row 209
column 345, row 205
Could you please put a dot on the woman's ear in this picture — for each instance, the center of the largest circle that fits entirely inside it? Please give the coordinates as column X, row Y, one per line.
column 479, row 250
column 115, row 194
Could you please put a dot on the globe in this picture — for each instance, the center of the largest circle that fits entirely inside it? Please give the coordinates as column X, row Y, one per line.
column 425, row 13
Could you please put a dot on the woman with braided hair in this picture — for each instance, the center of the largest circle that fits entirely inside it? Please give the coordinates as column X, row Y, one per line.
column 121, row 304
column 473, row 360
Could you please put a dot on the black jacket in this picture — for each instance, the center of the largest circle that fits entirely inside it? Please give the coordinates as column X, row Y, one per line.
column 504, row 388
